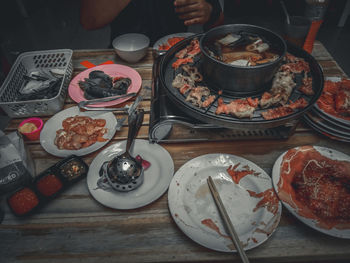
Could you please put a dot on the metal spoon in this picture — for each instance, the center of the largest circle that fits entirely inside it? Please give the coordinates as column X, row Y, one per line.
column 124, row 168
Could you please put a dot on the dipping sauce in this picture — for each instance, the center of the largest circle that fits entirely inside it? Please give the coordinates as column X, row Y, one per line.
column 72, row 170
column 23, row 201
column 27, row 127
column 49, row 185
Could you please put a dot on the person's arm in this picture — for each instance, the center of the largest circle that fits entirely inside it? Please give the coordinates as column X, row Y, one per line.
column 198, row 11
column 99, row 13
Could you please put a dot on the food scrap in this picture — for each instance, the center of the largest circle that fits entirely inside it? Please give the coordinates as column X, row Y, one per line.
column 80, row 132
column 269, row 200
column 210, row 223
column 238, row 175
column 316, row 186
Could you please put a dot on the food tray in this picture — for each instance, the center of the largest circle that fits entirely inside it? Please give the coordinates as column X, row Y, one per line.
column 25, row 64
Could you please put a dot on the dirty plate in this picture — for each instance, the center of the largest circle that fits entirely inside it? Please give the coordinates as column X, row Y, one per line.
column 156, row 178
column 113, row 70
column 313, row 156
column 194, row 211
column 48, row 134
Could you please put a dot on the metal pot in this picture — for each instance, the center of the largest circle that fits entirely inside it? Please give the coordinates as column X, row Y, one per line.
column 241, row 80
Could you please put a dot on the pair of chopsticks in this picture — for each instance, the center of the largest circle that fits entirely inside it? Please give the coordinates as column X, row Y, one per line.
column 226, row 219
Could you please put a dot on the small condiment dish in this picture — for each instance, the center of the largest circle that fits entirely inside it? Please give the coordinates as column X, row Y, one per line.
column 131, row 47
column 31, row 128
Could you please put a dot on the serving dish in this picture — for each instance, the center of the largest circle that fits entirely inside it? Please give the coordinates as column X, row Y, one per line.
column 48, row 133
column 113, row 70
column 314, row 211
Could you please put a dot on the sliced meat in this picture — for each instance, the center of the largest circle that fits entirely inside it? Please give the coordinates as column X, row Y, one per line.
column 181, row 80
column 239, row 108
column 193, row 73
column 342, row 101
column 196, row 94
column 277, row 112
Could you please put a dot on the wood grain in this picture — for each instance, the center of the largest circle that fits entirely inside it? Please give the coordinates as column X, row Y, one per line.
column 76, row 228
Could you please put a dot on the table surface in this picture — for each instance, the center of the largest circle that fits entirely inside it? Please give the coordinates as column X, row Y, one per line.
column 76, row 228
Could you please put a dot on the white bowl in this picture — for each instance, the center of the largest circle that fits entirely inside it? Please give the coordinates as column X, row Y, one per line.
column 131, row 47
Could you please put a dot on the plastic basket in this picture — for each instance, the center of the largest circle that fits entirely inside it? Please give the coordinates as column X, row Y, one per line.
column 25, row 64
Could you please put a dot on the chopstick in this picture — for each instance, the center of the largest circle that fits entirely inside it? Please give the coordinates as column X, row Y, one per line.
column 226, row 219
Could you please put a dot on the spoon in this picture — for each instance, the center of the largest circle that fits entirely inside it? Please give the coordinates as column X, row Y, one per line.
column 124, row 172
column 285, row 12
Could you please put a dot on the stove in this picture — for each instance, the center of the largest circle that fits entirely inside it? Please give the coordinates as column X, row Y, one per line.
column 169, row 124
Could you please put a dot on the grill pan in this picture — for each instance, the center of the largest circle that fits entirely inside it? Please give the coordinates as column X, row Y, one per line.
column 207, row 115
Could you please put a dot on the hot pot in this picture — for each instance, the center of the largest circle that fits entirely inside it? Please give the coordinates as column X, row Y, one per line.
column 241, row 80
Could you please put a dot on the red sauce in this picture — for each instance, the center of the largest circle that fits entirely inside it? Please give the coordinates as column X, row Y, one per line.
column 329, row 99
column 316, row 186
column 23, row 201
column 209, row 223
column 49, row 185
column 269, row 200
column 238, row 175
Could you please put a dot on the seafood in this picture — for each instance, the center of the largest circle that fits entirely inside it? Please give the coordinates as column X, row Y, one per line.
column 100, row 85
column 240, row 108
column 284, row 110
column 170, row 42
column 80, row 132
column 187, row 54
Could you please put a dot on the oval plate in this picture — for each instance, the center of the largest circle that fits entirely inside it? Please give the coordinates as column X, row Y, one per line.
column 193, row 208
column 286, row 199
column 113, row 70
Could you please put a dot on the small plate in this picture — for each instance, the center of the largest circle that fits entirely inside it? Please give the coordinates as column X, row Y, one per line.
column 48, row 134
column 113, row 70
column 297, row 209
column 164, row 40
column 156, row 178
column 194, row 211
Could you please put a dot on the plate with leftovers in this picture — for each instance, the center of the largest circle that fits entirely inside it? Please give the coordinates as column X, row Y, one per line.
column 247, row 194
column 156, row 181
column 73, row 132
column 105, row 81
column 166, row 42
column 313, row 184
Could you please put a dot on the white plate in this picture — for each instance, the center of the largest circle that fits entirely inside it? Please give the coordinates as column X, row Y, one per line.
column 164, row 40
column 190, row 202
column 48, row 133
column 287, row 200
column 156, row 178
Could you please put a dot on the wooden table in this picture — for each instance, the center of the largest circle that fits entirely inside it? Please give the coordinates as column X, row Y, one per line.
column 76, row 228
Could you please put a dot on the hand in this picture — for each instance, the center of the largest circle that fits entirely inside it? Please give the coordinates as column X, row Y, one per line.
column 193, row 11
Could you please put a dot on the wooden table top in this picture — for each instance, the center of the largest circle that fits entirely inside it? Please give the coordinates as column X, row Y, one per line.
column 76, row 228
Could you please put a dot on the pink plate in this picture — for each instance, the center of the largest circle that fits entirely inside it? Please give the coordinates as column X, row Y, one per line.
column 113, row 70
